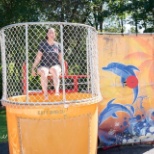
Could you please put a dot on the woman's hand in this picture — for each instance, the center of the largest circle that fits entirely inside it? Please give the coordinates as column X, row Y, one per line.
column 33, row 72
column 36, row 62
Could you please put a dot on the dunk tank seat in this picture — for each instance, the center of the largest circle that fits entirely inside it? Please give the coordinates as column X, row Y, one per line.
column 74, row 85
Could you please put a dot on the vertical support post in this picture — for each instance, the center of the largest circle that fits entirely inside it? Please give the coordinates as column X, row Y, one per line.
column 91, row 60
column 27, row 88
column 62, row 51
column 4, row 76
column 24, row 80
column 75, row 81
column 88, row 61
column 97, row 71
column 94, row 79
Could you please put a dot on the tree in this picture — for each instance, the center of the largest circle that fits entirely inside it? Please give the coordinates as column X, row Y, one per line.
column 142, row 11
column 16, row 11
column 66, row 10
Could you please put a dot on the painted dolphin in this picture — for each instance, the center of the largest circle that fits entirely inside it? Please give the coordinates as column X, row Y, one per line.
column 124, row 71
column 111, row 110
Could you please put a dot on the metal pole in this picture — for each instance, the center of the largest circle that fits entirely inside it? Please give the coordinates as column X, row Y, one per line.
column 62, row 51
column 4, row 66
column 26, row 42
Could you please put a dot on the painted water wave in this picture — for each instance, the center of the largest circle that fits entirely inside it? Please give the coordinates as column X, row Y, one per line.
column 137, row 128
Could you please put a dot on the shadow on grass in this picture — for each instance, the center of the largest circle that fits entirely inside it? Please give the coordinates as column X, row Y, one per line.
column 4, row 149
column 3, row 126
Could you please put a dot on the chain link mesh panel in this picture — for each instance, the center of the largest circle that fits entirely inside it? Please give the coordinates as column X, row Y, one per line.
column 78, row 43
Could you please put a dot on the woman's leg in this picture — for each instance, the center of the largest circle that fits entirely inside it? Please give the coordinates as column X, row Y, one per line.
column 55, row 71
column 43, row 72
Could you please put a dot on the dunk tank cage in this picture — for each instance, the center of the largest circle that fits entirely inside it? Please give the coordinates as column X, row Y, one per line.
column 64, row 124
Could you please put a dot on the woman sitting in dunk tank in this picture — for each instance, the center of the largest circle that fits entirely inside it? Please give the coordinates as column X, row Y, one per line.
column 48, row 60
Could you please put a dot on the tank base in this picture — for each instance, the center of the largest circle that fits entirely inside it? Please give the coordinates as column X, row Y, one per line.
column 53, row 129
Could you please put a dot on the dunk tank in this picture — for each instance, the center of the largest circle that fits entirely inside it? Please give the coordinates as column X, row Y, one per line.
column 67, row 123
column 126, row 67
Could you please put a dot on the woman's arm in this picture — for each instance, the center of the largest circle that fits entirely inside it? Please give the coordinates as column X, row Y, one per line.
column 60, row 58
column 36, row 62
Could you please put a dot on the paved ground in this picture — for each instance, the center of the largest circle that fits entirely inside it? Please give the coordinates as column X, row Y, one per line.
column 4, row 148
column 129, row 149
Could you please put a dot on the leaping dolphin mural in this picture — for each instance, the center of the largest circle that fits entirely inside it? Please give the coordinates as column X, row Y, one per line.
column 124, row 71
column 111, row 110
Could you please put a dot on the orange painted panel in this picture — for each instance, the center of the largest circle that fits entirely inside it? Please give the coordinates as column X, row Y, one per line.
column 126, row 67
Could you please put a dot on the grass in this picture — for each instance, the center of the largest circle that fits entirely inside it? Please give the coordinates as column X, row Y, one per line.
column 3, row 126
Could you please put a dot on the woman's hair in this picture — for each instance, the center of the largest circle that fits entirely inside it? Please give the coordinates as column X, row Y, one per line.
column 48, row 30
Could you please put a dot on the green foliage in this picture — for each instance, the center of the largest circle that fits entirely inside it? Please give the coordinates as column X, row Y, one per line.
column 149, row 30
column 3, row 126
column 92, row 12
column 1, row 86
column 16, row 11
